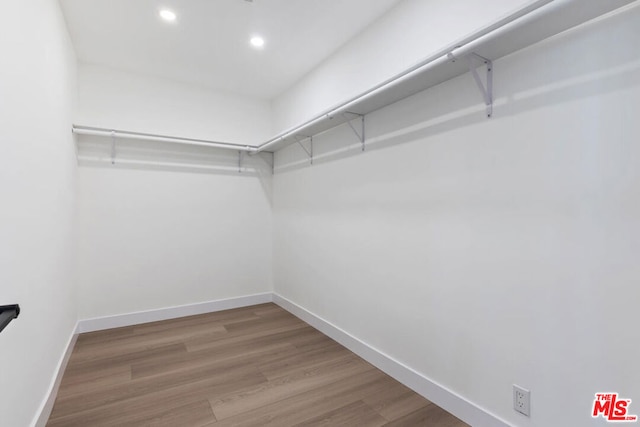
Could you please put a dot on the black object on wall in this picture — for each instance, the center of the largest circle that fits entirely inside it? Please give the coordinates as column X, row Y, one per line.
column 7, row 314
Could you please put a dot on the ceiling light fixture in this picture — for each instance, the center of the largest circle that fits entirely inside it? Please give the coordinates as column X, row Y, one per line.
column 257, row 41
column 168, row 15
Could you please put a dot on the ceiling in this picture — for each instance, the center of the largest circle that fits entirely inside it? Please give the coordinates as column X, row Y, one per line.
column 208, row 44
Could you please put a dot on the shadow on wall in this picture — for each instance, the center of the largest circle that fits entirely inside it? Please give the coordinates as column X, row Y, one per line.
column 593, row 59
column 98, row 152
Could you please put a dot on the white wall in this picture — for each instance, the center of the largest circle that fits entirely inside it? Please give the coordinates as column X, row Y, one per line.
column 483, row 253
column 408, row 33
column 155, row 238
column 37, row 193
column 116, row 99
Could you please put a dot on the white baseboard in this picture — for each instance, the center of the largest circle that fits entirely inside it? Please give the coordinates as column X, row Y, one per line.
column 116, row 321
column 128, row 319
column 436, row 393
column 47, row 405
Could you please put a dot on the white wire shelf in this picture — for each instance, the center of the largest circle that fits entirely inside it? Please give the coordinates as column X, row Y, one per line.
column 538, row 20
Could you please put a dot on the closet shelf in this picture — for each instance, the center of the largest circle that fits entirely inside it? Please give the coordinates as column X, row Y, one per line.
column 538, row 20
column 114, row 133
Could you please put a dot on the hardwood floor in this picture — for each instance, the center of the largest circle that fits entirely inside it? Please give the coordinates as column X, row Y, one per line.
column 253, row 366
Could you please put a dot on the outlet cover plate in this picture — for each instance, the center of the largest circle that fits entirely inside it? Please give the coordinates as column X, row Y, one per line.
column 522, row 400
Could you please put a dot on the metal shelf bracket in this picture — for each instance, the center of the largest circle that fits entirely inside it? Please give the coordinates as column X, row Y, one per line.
column 113, row 147
column 273, row 163
column 308, row 151
column 474, row 60
column 486, row 89
column 360, row 135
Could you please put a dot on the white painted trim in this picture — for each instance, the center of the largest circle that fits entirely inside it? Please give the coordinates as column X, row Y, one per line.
column 119, row 320
column 42, row 416
column 459, row 406
column 128, row 319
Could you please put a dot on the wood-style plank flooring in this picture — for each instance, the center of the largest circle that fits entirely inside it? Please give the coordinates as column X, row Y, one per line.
column 253, row 366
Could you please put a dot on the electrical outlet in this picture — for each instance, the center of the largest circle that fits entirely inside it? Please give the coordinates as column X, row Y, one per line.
column 522, row 400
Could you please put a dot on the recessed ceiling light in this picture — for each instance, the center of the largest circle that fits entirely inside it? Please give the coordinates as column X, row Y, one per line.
column 257, row 41
column 168, row 15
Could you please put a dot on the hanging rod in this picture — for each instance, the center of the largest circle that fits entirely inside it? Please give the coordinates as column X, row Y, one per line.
column 152, row 163
column 432, row 61
column 87, row 130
